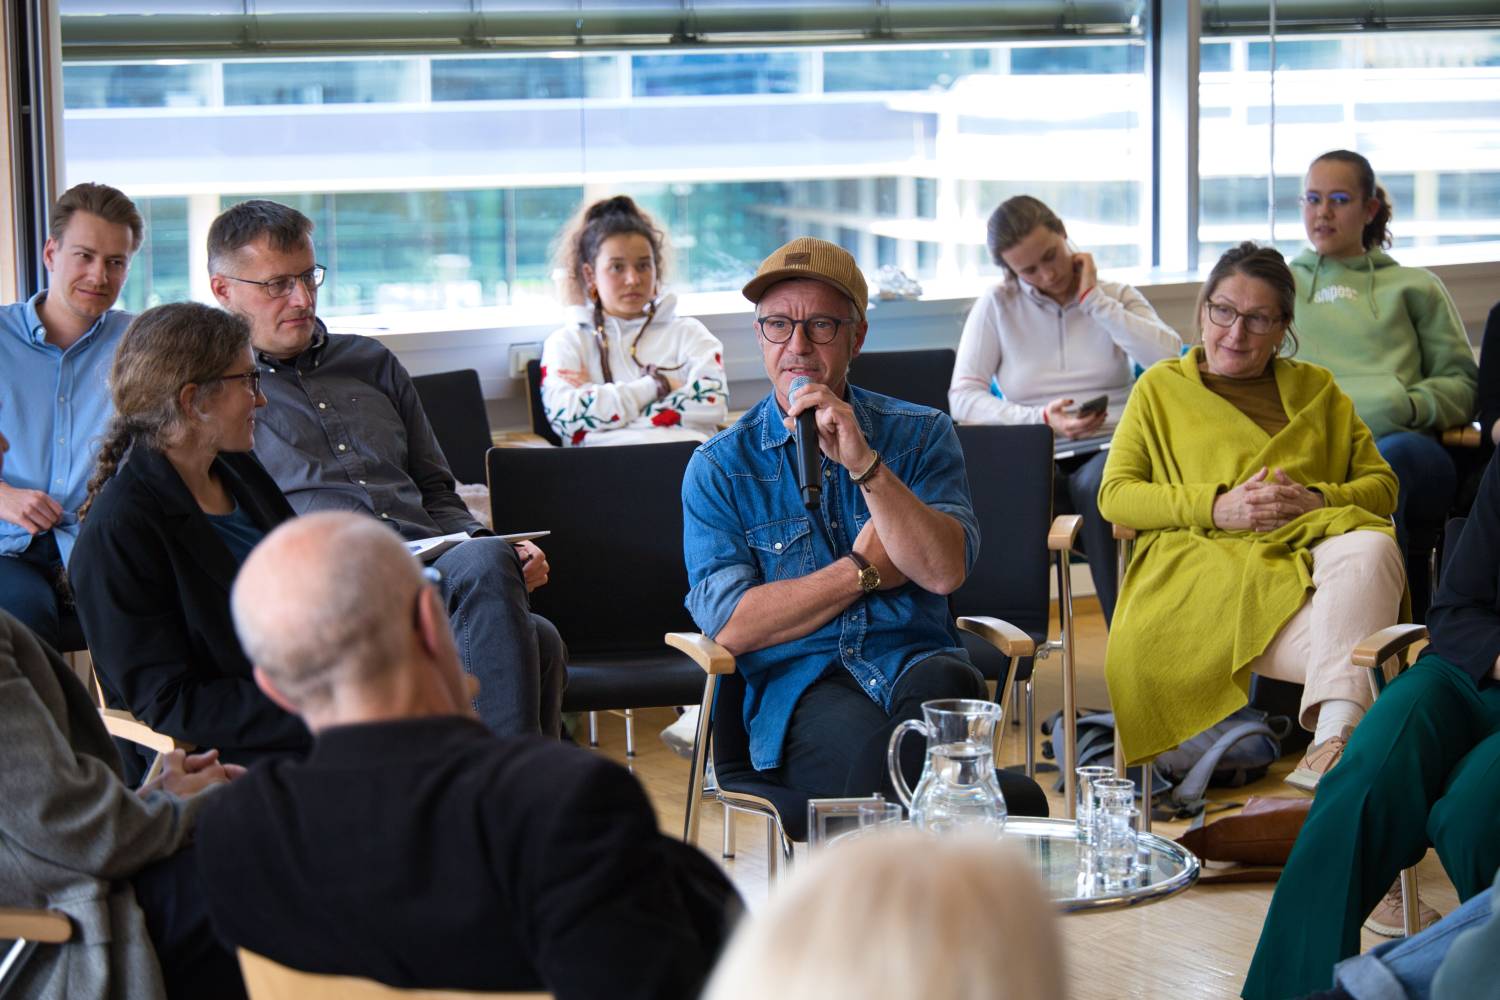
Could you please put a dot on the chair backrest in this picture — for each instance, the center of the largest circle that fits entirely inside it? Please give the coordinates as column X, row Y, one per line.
column 615, row 513
column 454, row 404
column 1010, row 476
column 915, row 376
column 268, row 980
column 534, row 406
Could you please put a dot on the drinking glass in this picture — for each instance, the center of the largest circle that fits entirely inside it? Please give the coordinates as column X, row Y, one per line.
column 877, row 814
column 1084, row 814
column 1115, row 844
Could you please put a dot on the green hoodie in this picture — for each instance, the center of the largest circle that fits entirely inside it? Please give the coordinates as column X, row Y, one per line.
column 1391, row 336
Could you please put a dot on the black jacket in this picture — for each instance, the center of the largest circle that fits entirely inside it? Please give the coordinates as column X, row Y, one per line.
column 427, row 852
column 1464, row 620
column 152, row 581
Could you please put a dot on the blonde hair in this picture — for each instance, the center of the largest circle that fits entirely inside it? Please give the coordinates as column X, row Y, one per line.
column 165, row 348
column 900, row 915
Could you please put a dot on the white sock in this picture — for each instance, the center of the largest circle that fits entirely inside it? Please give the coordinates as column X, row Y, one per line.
column 1334, row 715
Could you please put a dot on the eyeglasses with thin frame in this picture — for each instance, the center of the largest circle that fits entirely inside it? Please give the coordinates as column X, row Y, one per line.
column 251, row 379
column 1223, row 316
column 281, row 286
column 1336, row 199
column 818, row 329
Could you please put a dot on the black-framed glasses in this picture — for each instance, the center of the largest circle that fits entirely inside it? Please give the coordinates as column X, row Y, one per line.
column 251, row 379
column 1257, row 324
column 280, row 287
column 1336, row 199
column 819, row 329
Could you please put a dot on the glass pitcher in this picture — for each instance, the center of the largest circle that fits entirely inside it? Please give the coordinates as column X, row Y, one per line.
column 958, row 787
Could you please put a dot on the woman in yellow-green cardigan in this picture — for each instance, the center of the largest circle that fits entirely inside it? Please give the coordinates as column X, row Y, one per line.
column 1265, row 540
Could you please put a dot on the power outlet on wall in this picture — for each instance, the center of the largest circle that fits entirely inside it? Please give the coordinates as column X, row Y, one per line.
column 520, row 354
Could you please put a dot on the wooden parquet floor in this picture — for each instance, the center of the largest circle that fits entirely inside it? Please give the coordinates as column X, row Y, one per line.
column 1195, row 945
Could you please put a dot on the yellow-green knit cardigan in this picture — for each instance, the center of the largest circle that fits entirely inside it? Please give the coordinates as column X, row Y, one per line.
column 1198, row 604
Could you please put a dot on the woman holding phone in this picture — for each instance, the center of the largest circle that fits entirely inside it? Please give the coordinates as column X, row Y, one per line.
column 1055, row 339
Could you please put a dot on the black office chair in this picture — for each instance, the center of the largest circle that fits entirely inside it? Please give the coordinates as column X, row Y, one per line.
column 454, row 404
column 915, row 376
column 618, row 579
column 1010, row 478
column 534, row 406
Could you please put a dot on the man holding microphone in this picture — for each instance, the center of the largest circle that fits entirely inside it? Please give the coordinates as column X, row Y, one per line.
column 833, row 599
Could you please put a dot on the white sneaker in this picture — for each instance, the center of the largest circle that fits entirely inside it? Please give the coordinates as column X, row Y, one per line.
column 679, row 735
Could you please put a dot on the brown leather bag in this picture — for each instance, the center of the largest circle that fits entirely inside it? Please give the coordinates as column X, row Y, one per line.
column 1258, row 838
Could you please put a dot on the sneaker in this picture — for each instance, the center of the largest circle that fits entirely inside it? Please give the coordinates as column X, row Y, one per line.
column 1319, row 760
column 1387, row 920
column 679, row 735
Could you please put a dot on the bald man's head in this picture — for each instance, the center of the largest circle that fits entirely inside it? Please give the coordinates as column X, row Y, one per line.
column 328, row 606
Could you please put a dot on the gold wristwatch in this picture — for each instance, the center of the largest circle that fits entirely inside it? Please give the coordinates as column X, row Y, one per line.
column 869, row 576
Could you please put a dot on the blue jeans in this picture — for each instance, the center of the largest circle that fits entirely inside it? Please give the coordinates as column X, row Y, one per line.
column 28, row 588
column 1404, row 969
column 1428, row 483
column 518, row 657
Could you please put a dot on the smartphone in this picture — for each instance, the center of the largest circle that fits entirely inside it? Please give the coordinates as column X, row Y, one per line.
column 1090, row 407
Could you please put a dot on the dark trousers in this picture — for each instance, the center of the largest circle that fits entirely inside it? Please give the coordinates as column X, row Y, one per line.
column 1075, row 490
column 194, row 963
column 1428, row 483
column 29, row 587
column 1423, row 768
column 518, row 657
column 836, row 742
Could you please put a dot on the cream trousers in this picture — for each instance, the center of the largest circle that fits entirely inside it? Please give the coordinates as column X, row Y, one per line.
column 1359, row 579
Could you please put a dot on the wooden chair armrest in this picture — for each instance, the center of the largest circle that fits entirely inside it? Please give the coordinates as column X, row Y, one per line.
column 1376, row 649
column 1001, row 634
column 1463, row 436
column 1064, row 532
column 127, row 727
column 45, row 926
column 712, row 657
column 1122, row 533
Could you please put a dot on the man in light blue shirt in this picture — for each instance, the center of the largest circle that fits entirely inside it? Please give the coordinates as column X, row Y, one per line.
column 838, row 616
column 55, row 354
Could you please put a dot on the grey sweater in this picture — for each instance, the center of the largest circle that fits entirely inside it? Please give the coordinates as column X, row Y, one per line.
column 71, row 832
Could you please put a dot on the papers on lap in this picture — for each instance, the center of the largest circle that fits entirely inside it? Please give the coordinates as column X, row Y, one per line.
column 428, row 549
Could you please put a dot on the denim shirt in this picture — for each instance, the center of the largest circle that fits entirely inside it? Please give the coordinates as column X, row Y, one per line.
column 744, row 525
column 54, row 407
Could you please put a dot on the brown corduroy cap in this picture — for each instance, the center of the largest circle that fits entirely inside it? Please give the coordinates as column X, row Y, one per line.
column 806, row 257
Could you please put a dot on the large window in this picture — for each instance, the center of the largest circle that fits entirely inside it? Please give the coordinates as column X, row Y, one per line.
column 1424, row 107
column 441, row 182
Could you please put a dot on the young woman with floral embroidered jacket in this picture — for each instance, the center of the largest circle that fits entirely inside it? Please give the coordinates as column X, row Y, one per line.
column 625, row 368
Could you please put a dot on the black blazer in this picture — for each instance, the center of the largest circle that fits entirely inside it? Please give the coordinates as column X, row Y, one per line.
column 152, row 581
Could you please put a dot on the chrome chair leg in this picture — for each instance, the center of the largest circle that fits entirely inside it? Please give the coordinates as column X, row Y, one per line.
column 728, row 851
column 593, row 729
column 773, row 849
column 1030, row 740
column 630, row 732
column 1411, row 917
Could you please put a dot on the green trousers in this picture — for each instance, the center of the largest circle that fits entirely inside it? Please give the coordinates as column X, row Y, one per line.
column 1423, row 767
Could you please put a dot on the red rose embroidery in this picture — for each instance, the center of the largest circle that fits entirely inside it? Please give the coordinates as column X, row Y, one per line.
column 666, row 418
column 542, row 374
column 711, row 399
column 615, row 419
column 578, row 436
column 718, row 359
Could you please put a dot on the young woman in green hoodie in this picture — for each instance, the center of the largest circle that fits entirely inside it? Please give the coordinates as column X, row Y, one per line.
column 1393, row 340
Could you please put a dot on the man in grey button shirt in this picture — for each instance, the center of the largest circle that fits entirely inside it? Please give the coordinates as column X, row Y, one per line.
column 344, row 430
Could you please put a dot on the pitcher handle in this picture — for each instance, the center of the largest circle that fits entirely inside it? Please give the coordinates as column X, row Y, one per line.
column 893, row 760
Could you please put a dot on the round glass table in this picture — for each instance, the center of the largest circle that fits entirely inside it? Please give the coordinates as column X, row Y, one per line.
column 1163, row 867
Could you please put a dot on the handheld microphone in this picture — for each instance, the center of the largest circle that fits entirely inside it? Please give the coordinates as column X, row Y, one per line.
column 809, row 455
